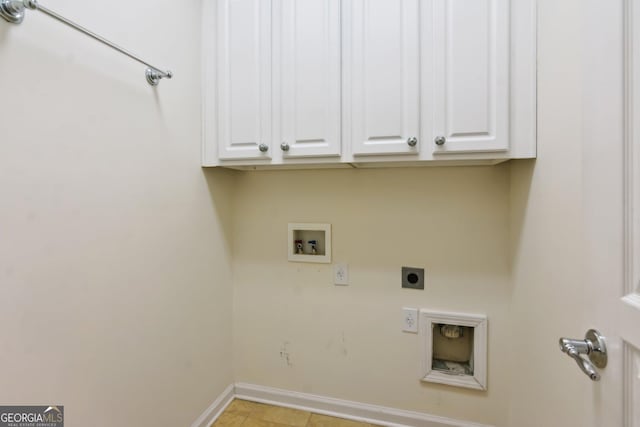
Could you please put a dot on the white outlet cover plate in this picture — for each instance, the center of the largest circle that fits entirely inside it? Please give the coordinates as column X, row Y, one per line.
column 410, row 320
column 341, row 274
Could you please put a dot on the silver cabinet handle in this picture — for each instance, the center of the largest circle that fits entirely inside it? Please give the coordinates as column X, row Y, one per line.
column 440, row 140
column 284, row 146
column 412, row 142
column 593, row 345
column 263, row 148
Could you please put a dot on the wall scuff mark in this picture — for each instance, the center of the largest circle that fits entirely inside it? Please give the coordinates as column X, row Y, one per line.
column 284, row 353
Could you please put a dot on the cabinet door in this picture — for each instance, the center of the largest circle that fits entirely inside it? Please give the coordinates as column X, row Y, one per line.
column 244, row 79
column 384, row 76
column 471, row 75
column 310, row 78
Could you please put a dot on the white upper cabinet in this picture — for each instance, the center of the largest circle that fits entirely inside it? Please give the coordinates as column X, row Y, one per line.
column 383, row 76
column 308, row 78
column 244, row 98
column 471, row 74
column 364, row 83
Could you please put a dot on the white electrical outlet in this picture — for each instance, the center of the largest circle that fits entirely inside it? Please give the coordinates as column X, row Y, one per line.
column 341, row 274
column 410, row 319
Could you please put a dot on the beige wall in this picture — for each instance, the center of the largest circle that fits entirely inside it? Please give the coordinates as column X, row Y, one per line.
column 346, row 342
column 547, row 235
column 506, row 241
column 115, row 248
column 115, row 293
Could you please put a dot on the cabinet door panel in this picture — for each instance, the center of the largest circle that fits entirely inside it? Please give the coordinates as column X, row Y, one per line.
column 244, row 78
column 384, row 77
column 310, row 77
column 471, row 75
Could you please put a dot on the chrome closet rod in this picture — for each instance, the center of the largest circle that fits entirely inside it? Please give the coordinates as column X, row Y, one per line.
column 13, row 11
column 102, row 40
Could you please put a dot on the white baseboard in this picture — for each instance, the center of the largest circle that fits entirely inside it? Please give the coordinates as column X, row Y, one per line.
column 374, row 414
column 213, row 412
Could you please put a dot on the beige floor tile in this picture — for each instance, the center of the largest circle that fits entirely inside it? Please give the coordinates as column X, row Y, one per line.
column 229, row 420
column 254, row 422
column 286, row 416
column 243, row 407
column 325, row 421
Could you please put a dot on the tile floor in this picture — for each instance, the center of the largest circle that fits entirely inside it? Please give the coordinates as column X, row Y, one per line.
column 242, row 413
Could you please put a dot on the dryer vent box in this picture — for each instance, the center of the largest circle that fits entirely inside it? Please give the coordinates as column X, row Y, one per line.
column 454, row 349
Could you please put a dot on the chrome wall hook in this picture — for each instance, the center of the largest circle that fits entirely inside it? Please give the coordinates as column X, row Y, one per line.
column 593, row 345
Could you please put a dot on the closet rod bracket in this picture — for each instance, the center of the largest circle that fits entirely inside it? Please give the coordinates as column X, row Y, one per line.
column 154, row 76
column 12, row 11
